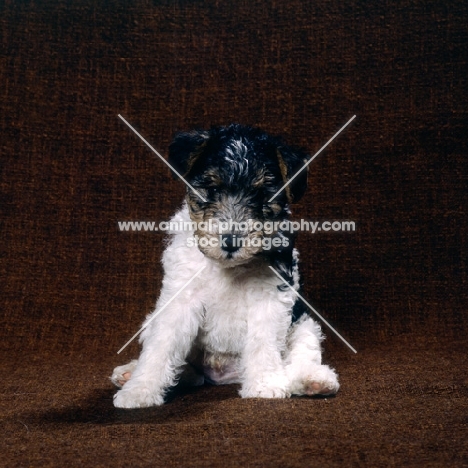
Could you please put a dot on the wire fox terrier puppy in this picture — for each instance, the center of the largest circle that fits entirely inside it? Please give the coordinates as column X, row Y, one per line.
column 236, row 322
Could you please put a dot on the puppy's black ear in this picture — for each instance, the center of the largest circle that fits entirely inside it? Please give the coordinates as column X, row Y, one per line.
column 291, row 162
column 185, row 149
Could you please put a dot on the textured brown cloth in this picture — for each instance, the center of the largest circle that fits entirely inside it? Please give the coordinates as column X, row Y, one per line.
column 75, row 288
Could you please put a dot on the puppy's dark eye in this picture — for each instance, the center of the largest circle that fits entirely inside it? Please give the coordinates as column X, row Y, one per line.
column 212, row 191
column 272, row 209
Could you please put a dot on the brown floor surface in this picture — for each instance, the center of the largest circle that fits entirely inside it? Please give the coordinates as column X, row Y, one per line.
column 400, row 404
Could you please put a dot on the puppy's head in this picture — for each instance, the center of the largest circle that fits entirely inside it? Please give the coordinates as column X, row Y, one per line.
column 237, row 170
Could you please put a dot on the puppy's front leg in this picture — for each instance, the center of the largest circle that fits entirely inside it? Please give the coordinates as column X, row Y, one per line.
column 263, row 370
column 166, row 341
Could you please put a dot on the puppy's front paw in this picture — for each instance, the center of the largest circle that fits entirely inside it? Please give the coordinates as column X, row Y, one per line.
column 137, row 397
column 269, row 386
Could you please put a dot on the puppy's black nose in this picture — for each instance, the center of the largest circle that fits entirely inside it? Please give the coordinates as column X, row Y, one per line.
column 229, row 243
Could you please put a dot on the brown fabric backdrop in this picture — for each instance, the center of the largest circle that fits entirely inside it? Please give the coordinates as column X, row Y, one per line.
column 75, row 288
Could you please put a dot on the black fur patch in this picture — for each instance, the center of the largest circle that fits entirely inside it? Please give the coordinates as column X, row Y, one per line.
column 192, row 153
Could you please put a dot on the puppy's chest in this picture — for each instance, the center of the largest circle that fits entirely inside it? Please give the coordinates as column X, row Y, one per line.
column 225, row 320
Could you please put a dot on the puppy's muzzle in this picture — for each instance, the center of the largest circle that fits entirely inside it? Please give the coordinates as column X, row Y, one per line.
column 229, row 243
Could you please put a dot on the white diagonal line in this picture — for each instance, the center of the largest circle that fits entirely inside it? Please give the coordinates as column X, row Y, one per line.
column 312, row 158
column 313, row 310
column 162, row 159
column 160, row 310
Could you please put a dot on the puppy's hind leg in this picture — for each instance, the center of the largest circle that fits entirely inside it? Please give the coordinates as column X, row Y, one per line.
column 306, row 373
column 122, row 374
